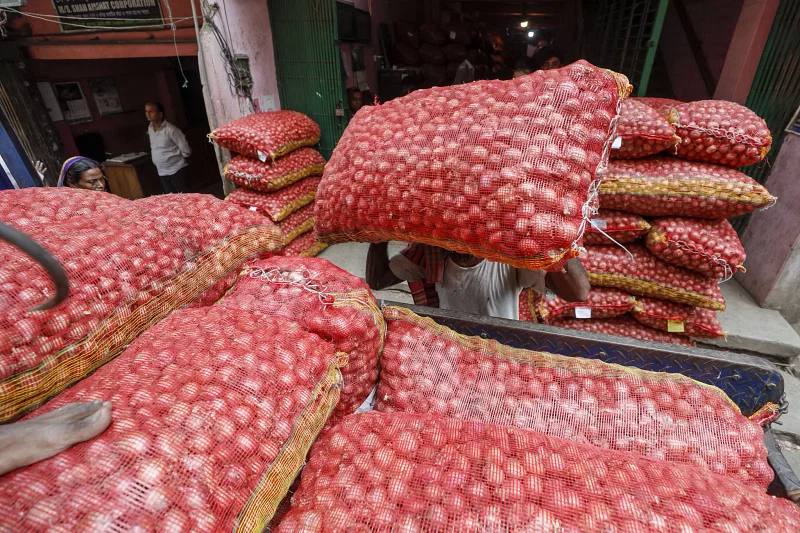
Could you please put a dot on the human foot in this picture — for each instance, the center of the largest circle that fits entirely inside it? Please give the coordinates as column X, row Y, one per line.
column 27, row 442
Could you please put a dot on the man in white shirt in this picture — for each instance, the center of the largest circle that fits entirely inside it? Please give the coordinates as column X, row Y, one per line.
column 467, row 283
column 169, row 149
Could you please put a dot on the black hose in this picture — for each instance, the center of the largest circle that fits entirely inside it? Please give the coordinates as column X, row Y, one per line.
column 44, row 258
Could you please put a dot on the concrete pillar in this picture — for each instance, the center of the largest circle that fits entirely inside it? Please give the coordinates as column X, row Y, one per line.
column 744, row 53
column 772, row 239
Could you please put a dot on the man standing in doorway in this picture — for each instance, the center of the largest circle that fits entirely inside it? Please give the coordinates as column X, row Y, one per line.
column 168, row 148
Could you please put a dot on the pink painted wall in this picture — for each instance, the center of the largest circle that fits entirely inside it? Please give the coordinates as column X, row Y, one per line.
column 772, row 239
column 137, row 81
column 251, row 35
column 714, row 22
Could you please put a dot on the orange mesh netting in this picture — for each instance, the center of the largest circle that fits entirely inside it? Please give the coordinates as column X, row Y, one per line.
column 325, row 300
column 379, row 472
column 34, row 206
column 622, row 227
column 267, row 136
column 305, row 245
column 664, row 106
column 623, row 326
column 721, row 132
column 710, row 247
column 601, row 303
column 274, row 175
column 428, row 368
column 127, row 268
column 213, row 412
column 677, row 318
column 298, row 223
column 503, row 170
column 666, row 186
column 643, row 130
column 280, row 204
column 637, row 271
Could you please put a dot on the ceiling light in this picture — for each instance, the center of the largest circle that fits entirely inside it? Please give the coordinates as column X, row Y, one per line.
column 523, row 24
column 530, row 34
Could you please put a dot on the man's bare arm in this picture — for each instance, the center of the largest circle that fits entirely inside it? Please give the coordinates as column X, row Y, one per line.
column 379, row 275
column 572, row 284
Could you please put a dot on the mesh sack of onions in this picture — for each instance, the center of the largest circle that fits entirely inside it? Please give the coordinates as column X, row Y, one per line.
column 664, row 106
column 298, row 223
column 639, row 272
column 431, row 54
column 407, row 33
column 327, row 301
column 427, row 368
column 432, row 34
column 267, row 136
column 643, row 130
column 710, row 247
column 666, row 186
column 21, row 208
column 213, row 412
column 678, row 318
column 623, row 326
column 721, row 132
column 409, row 473
column 127, row 269
column 280, row 204
column 305, row 245
column 620, row 226
column 273, row 175
column 602, row 302
column 498, row 169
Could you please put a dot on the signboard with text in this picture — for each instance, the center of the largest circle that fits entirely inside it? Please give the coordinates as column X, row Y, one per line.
column 83, row 15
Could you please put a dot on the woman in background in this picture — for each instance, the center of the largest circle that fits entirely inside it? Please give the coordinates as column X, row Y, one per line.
column 83, row 173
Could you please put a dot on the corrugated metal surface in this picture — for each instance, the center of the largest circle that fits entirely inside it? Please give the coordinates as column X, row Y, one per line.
column 623, row 36
column 775, row 93
column 309, row 69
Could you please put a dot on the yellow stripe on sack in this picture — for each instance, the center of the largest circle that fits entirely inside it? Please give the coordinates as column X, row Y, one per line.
column 532, row 307
column 653, row 288
column 294, row 145
column 294, row 205
column 577, row 365
column 274, row 485
column 305, row 226
column 25, row 391
column 683, row 186
column 313, row 250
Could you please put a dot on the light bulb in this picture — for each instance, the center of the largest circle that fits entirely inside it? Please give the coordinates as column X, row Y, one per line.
column 530, row 34
column 523, row 24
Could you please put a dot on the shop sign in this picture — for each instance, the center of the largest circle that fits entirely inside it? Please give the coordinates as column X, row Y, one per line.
column 83, row 15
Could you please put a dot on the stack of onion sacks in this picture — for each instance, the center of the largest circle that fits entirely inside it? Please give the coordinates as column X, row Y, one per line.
column 275, row 167
column 691, row 188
